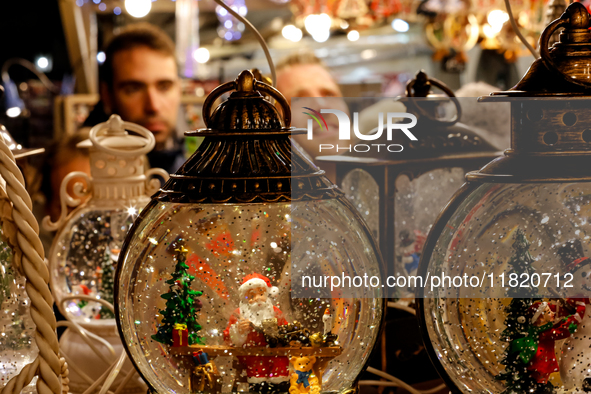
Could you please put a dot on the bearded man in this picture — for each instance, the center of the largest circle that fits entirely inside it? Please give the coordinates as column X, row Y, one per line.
column 139, row 81
column 245, row 329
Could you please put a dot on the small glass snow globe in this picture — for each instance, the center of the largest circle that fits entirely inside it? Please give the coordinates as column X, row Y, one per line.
column 17, row 342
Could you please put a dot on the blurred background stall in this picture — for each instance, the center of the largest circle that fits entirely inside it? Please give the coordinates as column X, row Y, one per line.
column 372, row 47
column 52, row 71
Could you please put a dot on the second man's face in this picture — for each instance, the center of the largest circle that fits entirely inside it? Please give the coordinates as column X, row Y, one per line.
column 146, row 90
column 315, row 88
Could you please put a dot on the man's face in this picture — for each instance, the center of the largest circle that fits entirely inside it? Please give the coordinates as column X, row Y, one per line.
column 307, row 80
column 315, row 82
column 146, row 90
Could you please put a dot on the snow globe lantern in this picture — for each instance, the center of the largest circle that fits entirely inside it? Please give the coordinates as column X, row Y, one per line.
column 400, row 194
column 507, row 306
column 206, row 276
column 86, row 247
column 17, row 343
column 28, row 340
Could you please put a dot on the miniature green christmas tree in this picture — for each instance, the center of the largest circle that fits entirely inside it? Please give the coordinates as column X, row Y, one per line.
column 182, row 304
column 518, row 379
column 107, row 288
column 521, row 263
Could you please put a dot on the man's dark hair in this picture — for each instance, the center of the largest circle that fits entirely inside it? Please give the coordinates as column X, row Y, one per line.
column 136, row 35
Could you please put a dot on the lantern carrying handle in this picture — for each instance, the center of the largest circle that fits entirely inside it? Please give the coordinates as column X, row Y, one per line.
column 245, row 83
column 425, row 85
column 575, row 17
column 116, row 127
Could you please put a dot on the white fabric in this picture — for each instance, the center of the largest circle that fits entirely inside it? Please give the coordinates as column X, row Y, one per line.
column 252, row 284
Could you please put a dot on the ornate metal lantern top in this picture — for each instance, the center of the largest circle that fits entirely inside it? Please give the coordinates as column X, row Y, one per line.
column 550, row 139
column 257, row 164
column 563, row 69
column 437, row 137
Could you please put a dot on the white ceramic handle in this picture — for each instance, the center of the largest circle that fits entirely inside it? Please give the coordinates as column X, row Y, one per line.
column 115, row 126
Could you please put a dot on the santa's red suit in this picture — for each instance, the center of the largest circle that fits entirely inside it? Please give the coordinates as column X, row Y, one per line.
column 258, row 368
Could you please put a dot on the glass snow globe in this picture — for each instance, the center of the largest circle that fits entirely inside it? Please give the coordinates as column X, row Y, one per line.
column 505, row 308
column 207, row 294
column 18, row 347
column 85, row 249
column 17, row 343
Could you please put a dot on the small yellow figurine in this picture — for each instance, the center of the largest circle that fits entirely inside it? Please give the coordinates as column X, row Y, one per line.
column 304, row 380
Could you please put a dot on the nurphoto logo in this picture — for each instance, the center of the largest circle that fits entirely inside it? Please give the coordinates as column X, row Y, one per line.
column 393, row 123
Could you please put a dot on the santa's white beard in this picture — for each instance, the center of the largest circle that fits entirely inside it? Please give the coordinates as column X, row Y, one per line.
column 257, row 312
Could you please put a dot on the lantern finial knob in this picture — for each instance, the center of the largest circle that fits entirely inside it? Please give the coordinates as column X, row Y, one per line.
column 236, row 114
column 245, row 81
column 420, row 86
column 115, row 125
column 578, row 16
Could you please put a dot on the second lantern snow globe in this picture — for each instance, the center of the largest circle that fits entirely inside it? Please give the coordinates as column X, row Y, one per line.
column 206, row 281
column 506, row 306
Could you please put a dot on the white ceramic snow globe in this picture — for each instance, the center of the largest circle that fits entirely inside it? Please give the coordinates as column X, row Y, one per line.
column 85, row 249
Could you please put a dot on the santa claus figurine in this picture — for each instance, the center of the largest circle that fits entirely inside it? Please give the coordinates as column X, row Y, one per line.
column 245, row 329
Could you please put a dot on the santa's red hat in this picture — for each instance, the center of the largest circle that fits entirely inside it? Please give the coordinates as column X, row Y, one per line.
column 253, row 281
